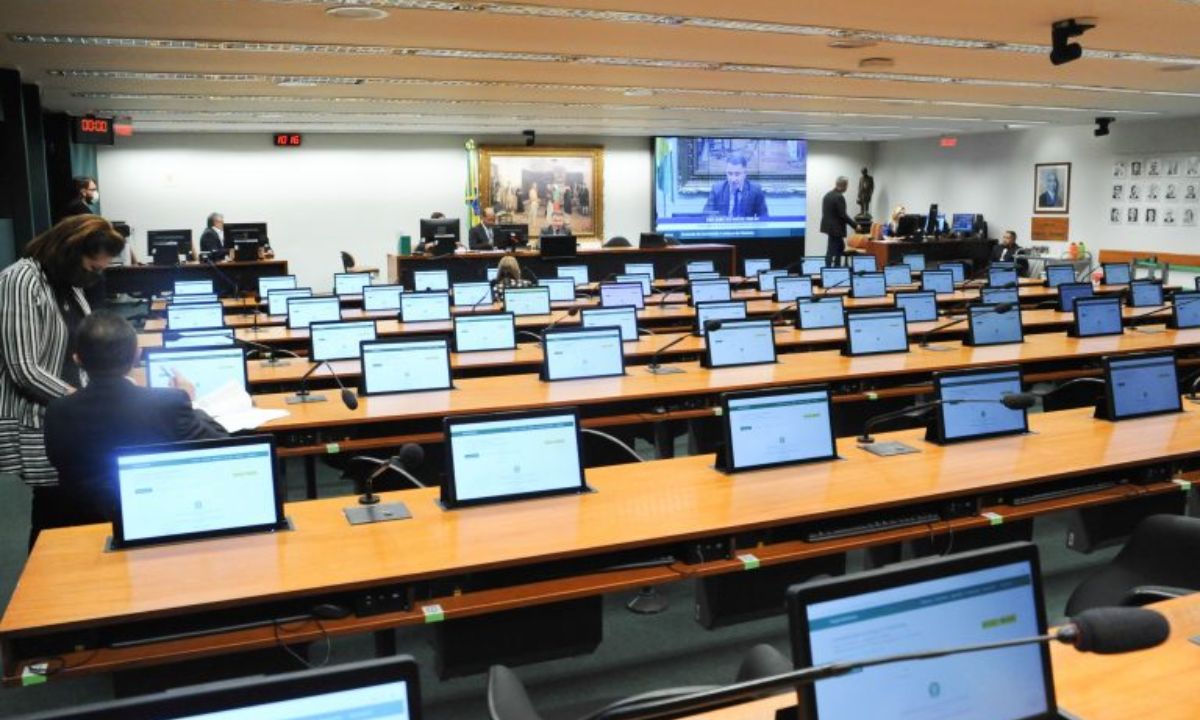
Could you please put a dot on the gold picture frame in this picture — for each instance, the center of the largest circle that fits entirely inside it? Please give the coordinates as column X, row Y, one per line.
column 570, row 179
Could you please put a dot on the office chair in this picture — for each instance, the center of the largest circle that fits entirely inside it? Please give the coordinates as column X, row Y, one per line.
column 347, row 261
column 1158, row 562
column 617, row 241
column 508, row 699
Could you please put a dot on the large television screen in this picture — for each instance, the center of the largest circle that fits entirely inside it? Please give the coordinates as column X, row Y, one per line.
column 729, row 188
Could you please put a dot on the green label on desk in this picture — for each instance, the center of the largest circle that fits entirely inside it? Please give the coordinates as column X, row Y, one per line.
column 994, row 518
column 749, row 562
column 433, row 613
column 332, row 448
column 872, row 395
column 1184, row 485
column 34, row 674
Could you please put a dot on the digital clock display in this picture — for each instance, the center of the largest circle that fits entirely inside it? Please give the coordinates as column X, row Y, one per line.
column 287, row 139
column 93, row 130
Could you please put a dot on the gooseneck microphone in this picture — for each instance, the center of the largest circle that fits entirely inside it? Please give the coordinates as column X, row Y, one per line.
column 779, row 315
column 998, row 308
column 411, row 455
column 571, row 312
column 303, row 396
column 843, row 281
column 271, row 360
column 1012, row 401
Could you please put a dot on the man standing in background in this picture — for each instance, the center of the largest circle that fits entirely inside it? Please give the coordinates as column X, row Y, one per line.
column 834, row 221
column 212, row 240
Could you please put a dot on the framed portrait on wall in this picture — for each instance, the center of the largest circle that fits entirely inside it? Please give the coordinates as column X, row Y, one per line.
column 1051, row 188
column 531, row 185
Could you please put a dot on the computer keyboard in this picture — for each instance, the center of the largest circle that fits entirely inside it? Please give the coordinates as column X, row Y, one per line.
column 833, row 531
column 1028, row 498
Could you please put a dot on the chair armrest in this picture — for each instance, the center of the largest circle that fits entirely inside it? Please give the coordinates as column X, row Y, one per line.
column 1146, row 594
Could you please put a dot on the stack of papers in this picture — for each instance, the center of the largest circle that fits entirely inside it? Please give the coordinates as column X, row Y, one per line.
column 231, row 406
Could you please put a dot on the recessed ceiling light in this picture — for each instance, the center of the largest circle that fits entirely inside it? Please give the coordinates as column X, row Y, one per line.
column 876, row 62
column 297, row 83
column 1177, row 68
column 638, row 92
column 851, row 43
column 356, row 12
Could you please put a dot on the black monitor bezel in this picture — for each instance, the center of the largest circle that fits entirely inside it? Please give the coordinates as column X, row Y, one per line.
column 926, row 274
column 558, row 331
column 620, row 308
column 896, row 297
column 364, row 385
column 412, row 277
column 454, row 303
column 798, row 278
column 1173, row 321
column 150, row 353
column 192, row 306
column 1106, row 407
column 426, row 293
column 859, row 276
column 924, row 261
column 1097, row 300
column 692, row 295
column 528, row 291
column 706, row 359
column 1104, row 272
column 698, row 330
column 841, row 300
column 258, row 290
column 640, row 304
column 474, row 316
column 336, row 275
column 848, row 348
column 1074, row 275
column 293, row 289
column 906, row 266
column 312, row 345
column 936, row 431
column 727, row 463
column 1162, row 297
column 172, row 335
column 335, row 298
column 973, row 341
column 380, row 288
column 1058, row 289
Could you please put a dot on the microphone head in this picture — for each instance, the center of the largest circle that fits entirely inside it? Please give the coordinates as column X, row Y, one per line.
column 572, row 312
column 711, row 325
column 1019, row 401
column 1002, row 308
column 349, row 399
column 1110, row 630
column 411, row 455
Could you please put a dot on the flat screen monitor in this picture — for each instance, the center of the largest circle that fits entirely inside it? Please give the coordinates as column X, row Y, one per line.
column 441, row 234
column 267, row 283
column 527, row 301
column 473, row 294
column 1145, row 293
column 1185, row 309
column 835, row 277
column 868, row 285
column 875, row 332
column 180, row 239
column 703, row 275
column 710, row 291
column 425, row 306
column 206, row 298
column 245, row 250
column 382, row 298
column 199, row 489
column 558, row 246
column 338, row 340
column 999, row 277
column 1141, row 384
column 768, row 278
column 511, row 235
column 577, row 273
column 820, row 313
column 646, row 281
column 1005, row 264
column 1116, row 273
column 208, row 369
column 652, row 240
column 701, row 266
column 350, row 283
column 622, row 317
column 962, row 222
column 639, row 269
column 897, row 275
column 252, row 231
column 577, row 353
column 424, row 280
column 959, row 270
column 512, row 456
column 933, row 220
column 405, row 365
column 1097, row 316
column 1059, row 275
column 740, row 342
column 493, row 273
column 561, row 289
column 304, row 311
column 215, row 337
column 969, row 598
column 781, row 426
column 1068, row 293
column 938, row 281
column 992, row 296
column 916, row 261
column 491, row 331
column 792, row 288
column 986, row 325
column 621, row 295
column 910, row 226
column 971, row 404
column 732, row 310
column 751, row 267
column 277, row 299
column 811, row 265
column 194, row 287
column 860, row 262
column 190, row 316
column 918, row 305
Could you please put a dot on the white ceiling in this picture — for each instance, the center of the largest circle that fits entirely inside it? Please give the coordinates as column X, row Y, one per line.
column 759, row 67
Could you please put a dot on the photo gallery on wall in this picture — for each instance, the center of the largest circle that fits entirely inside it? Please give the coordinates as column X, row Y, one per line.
column 1155, row 191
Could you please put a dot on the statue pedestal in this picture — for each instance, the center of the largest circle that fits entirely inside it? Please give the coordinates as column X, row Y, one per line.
column 862, row 222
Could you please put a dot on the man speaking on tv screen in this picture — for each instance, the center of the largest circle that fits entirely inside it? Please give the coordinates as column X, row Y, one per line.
column 737, row 197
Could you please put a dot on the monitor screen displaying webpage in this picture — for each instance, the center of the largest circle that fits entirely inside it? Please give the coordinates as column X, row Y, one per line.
column 695, row 266
column 987, row 326
column 621, row 295
column 703, row 275
column 395, row 366
column 751, row 267
column 623, row 317
column 194, row 287
column 835, row 277
column 1059, row 274
column 862, row 263
column 191, row 316
column 196, row 299
column 639, row 269
column 790, row 289
column 868, row 285
column 1068, row 293
column 643, row 279
column 733, row 310
column 811, row 265
column 527, row 301
column 382, row 298
column 1116, row 273
column 1145, row 294
column 972, row 406
column 471, row 294
column 572, row 354
column 778, row 427
column 425, row 306
column 197, row 338
column 207, row 369
column 768, row 278
column 338, row 340
column 350, row 283
column 992, row 296
column 493, row 331
column 920, row 306
column 897, row 275
column 277, row 298
column 710, row 291
column 1143, row 384
column 941, row 282
column 561, row 289
column 577, row 273
column 1002, row 277
column 820, row 313
column 1098, row 316
column 915, row 262
column 275, row 282
column 957, row 269
column 869, row 333
column 1185, row 308
column 304, row 311
column 424, row 280
column 740, row 342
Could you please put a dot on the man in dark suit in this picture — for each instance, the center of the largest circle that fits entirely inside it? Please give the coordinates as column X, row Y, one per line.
column 83, row 429
column 834, row 221
column 212, row 240
column 87, row 194
column 482, row 236
column 737, row 197
column 1008, row 251
column 1051, row 196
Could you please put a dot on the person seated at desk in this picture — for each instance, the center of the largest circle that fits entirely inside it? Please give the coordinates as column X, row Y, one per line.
column 1007, row 251
column 428, row 247
column 557, row 226
column 212, row 240
column 892, row 229
column 482, row 237
column 508, row 275
column 83, row 428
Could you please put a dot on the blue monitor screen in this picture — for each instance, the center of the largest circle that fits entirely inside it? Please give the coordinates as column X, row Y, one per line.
column 962, row 222
column 989, row 327
column 1145, row 294
column 959, row 270
column 991, row 296
column 811, row 265
column 1186, row 309
column 918, row 306
column 941, row 282
column 877, row 332
column 974, row 409
column 895, row 275
column 914, row 261
column 1098, row 316
column 790, row 289
column 1002, row 277
column 865, row 263
column 1059, row 274
column 1068, row 293
column 835, row 277
column 1116, row 273
column 1143, row 385
column 767, row 278
column 751, row 267
column 868, row 285
column 821, row 313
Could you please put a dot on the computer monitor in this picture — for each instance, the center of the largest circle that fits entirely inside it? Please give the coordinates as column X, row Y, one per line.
column 582, row 352
column 1145, row 293
column 1140, row 385
column 277, row 299
column 643, row 279
column 999, row 277
column 792, row 288
column 253, row 231
column 338, row 340
column 971, row 405
column 1059, row 275
column 640, row 269
column 578, row 273
column 350, row 283
column 527, row 301
column 489, row 331
column 198, row 489
column 780, row 426
column 425, row 306
column 703, row 275
column 986, row 325
column 206, row 298
column 811, row 265
column 492, row 274
column 189, row 316
column 622, row 294
column 868, row 285
column 652, row 240
column 915, row 261
column 512, row 456
column 992, row 296
column 424, row 280
column 962, row 222
column 180, row 239
column 1116, row 273
column 835, row 277
column 622, row 317
column 732, row 310
column 558, row 246
column 768, row 278
column 213, row 337
column 874, row 332
column 193, row 287
column 740, row 342
column 474, row 294
column 510, row 235
column 860, row 262
column 751, row 267
column 304, row 311
column 959, row 270
column 918, row 305
column 400, row 365
column 933, row 221
column 441, row 234
column 710, row 291
column 382, row 298
column 208, row 369
column 165, row 253
column 701, row 266
column 968, row 598
column 561, row 289
column 1185, row 309
column 1006, row 264
column 910, row 226
column 267, row 283
column 897, row 275
column 1068, row 293
column 245, row 250
column 938, row 281
column 820, row 313
column 1097, row 316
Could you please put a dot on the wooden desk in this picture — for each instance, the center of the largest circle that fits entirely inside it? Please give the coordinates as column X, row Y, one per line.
column 888, row 252
column 158, row 279
column 652, row 506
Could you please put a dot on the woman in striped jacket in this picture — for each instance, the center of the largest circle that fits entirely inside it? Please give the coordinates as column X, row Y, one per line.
column 41, row 302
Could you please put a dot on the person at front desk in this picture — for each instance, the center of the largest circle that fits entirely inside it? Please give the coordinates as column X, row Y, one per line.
column 892, row 229
column 212, row 240
column 1008, row 251
column 558, row 225
column 482, row 236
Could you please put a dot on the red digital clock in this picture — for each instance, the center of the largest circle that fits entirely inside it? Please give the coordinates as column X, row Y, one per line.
column 93, row 130
column 287, row 139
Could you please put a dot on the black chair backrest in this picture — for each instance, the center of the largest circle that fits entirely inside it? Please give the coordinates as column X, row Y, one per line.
column 347, row 261
column 617, row 241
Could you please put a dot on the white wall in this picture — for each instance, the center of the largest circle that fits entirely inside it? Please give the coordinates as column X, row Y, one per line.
column 359, row 192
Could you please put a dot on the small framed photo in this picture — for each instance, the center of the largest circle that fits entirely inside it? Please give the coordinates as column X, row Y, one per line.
column 1115, row 216
column 1051, row 188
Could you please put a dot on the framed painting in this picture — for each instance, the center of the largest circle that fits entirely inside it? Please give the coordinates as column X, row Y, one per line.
column 1052, row 188
column 533, row 185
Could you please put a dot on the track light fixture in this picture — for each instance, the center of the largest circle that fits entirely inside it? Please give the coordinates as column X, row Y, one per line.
column 530, row 137
column 1102, row 124
column 1061, row 51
